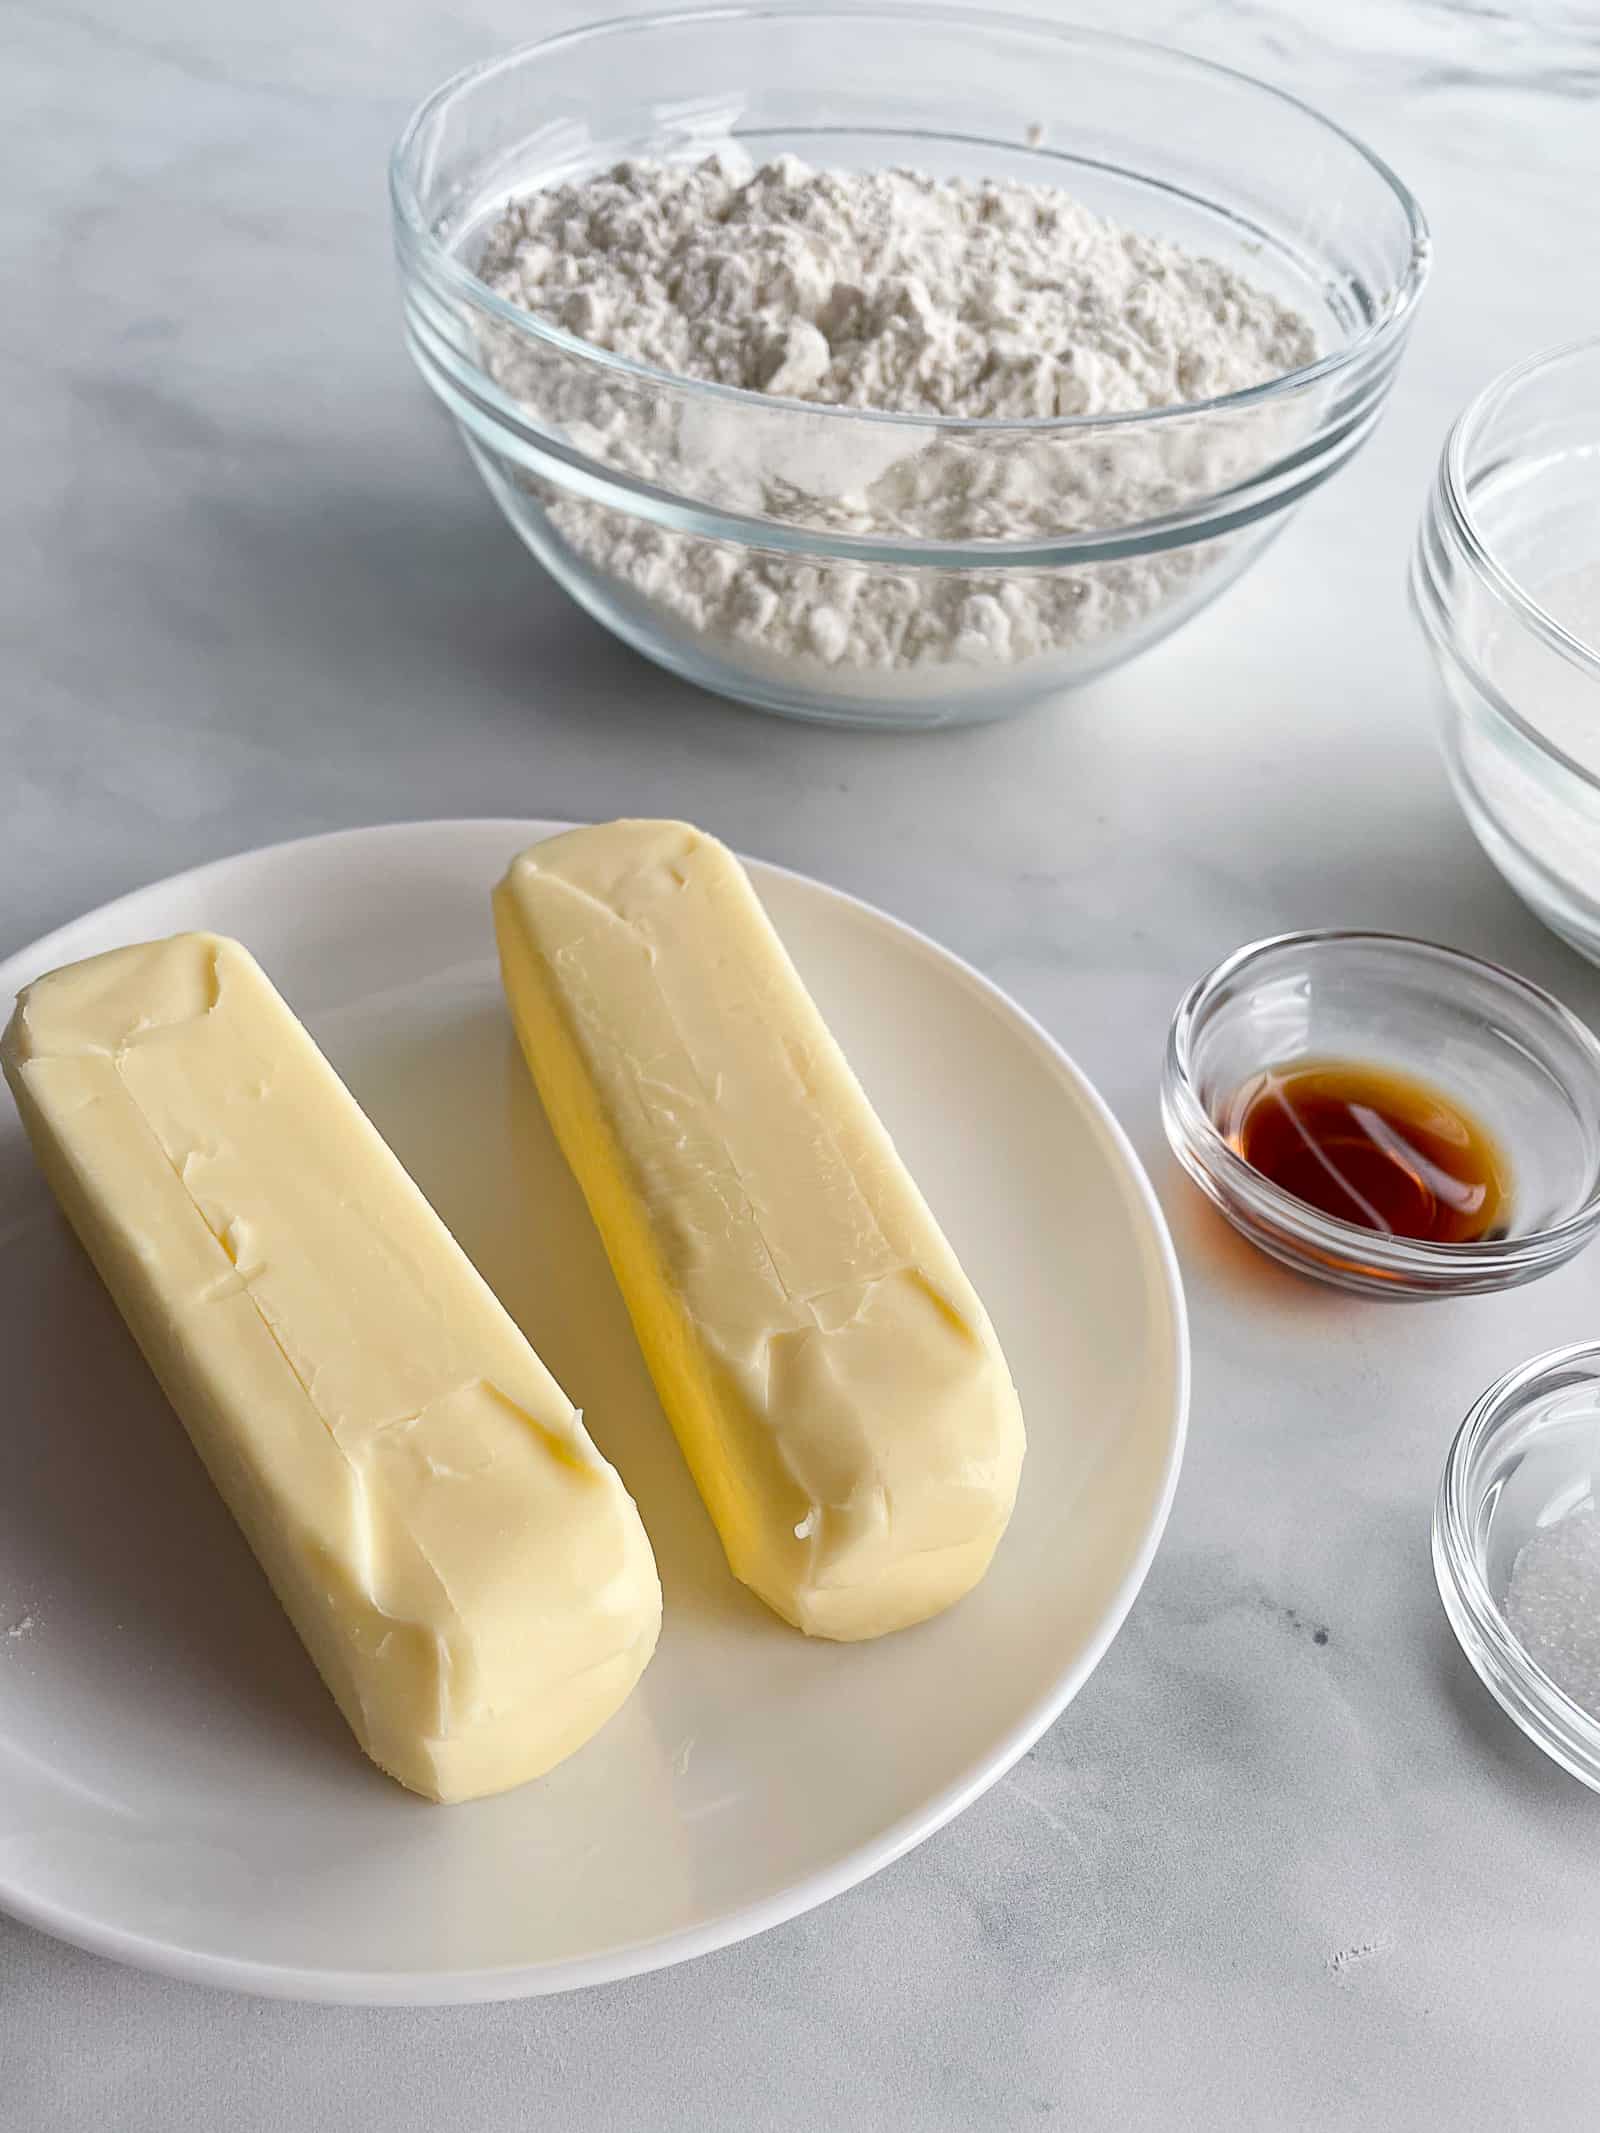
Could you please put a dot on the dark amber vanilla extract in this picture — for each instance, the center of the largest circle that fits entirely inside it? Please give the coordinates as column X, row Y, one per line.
column 1373, row 1147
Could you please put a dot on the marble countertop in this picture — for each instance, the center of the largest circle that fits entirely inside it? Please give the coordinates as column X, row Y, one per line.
column 1256, row 1876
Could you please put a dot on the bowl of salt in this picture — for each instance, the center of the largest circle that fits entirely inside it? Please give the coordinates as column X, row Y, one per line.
column 1516, row 1549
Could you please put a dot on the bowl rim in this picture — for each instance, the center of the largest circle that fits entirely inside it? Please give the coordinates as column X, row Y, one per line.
column 1552, row 1719
column 1454, row 491
column 1393, row 1255
column 1399, row 297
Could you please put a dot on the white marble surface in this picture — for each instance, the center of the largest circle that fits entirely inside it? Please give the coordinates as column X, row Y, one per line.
column 1253, row 1878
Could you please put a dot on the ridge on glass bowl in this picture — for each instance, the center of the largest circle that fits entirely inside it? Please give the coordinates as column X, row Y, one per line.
column 631, row 484
column 1527, row 1455
column 1509, row 1054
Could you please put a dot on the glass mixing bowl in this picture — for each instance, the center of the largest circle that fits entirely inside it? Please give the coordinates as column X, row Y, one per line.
column 1506, row 584
column 669, row 508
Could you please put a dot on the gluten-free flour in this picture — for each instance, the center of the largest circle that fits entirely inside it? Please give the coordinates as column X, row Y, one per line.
column 894, row 291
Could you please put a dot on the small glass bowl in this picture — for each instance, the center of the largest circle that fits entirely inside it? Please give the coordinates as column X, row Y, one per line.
column 1512, row 1057
column 1527, row 1455
column 1505, row 581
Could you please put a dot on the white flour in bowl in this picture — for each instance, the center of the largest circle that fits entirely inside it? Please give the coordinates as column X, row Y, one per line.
column 895, row 291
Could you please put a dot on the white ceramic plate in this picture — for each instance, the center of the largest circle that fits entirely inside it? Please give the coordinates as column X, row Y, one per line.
column 177, row 1790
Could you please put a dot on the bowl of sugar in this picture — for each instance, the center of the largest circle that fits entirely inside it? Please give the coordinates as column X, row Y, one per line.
column 895, row 366
column 1516, row 1549
column 1505, row 582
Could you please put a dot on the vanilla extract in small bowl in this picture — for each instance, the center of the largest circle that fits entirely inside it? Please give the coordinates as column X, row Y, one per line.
column 1372, row 1146
column 1388, row 1115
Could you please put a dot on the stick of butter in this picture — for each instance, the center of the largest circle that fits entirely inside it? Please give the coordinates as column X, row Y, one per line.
column 833, row 1380
column 468, row 1573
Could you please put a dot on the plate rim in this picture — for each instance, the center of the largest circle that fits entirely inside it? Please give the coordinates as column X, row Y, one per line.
column 461, row 1987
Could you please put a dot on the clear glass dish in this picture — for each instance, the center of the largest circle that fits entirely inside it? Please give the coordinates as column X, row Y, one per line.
column 1527, row 1456
column 1509, row 1054
column 627, row 482
column 1505, row 581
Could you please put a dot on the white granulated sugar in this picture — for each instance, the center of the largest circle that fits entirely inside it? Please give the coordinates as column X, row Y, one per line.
column 893, row 291
column 1554, row 820
column 1553, row 1604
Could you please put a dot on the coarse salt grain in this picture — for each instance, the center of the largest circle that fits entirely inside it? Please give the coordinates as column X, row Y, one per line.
column 1553, row 1604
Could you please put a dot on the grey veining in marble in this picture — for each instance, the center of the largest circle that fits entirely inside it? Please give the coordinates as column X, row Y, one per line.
column 1282, row 1864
